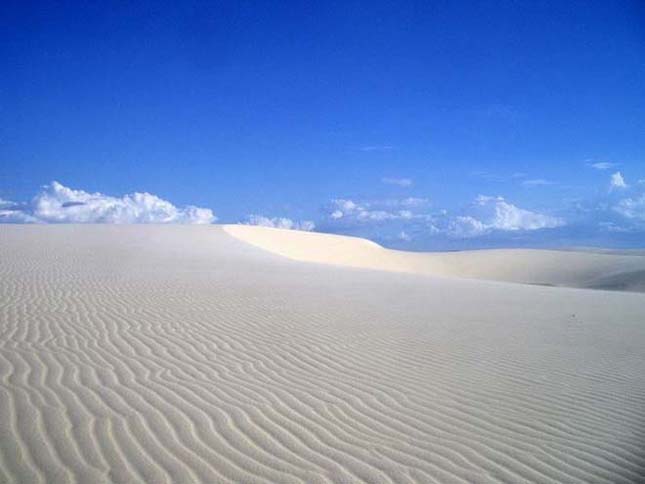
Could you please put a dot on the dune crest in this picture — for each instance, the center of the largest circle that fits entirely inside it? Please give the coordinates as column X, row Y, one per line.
column 583, row 269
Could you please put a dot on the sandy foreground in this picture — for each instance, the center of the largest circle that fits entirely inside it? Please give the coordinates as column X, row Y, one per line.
column 242, row 354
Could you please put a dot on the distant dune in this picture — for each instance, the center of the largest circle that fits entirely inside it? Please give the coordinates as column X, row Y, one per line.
column 181, row 354
column 584, row 268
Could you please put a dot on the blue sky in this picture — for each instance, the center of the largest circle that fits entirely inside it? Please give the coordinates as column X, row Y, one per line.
column 445, row 124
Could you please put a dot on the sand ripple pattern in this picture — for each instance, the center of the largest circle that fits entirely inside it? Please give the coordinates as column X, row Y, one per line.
column 181, row 355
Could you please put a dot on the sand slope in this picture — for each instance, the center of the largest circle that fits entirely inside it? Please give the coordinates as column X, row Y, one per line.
column 182, row 354
column 585, row 269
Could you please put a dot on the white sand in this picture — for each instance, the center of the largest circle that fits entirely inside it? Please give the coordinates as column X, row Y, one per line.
column 184, row 354
column 617, row 270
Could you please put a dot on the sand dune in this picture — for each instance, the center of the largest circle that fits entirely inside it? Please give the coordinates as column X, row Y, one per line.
column 184, row 354
column 584, row 268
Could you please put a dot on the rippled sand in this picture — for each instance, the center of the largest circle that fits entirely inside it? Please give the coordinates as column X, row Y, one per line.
column 203, row 354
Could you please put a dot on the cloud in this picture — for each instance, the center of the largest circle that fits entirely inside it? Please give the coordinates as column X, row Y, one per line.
column 620, row 210
column 632, row 207
column 602, row 165
column 280, row 223
column 467, row 226
column 388, row 219
column 349, row 211
column 537, row 182
column 610, row 217
column 56, row 203
column 12, row 212
column 616, row 181
column 402, row 182
column 496, row 214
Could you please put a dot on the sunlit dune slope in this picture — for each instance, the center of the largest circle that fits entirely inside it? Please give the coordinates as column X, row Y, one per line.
column 585, row 269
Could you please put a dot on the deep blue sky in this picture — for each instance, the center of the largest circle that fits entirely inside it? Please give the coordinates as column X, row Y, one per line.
column 278, row 108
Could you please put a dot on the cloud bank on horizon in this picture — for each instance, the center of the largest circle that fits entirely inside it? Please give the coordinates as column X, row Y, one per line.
column 500, row 215
column 485, row 215
column 280, row 223
column 616, row 214
column 620, row 209
column 56, row 203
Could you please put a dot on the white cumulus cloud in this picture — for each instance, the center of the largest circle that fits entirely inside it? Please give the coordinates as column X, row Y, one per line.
column 280, row 223
column 11, row 212
column 499, row 215
column 56, row 203
column 632, row 208
column 366, row 212
column 617, row 181
column 467, row 226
